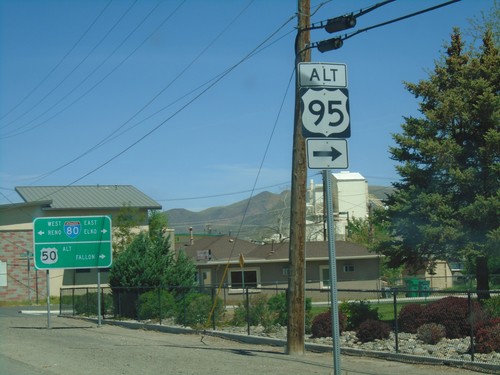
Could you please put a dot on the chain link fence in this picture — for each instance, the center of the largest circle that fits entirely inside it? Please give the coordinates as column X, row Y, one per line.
column 461, row 326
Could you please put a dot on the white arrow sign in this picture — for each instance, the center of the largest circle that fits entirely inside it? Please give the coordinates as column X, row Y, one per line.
column 325, row 153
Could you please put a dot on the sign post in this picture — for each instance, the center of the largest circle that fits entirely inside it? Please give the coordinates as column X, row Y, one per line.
column 325, row 125
column 72, row 243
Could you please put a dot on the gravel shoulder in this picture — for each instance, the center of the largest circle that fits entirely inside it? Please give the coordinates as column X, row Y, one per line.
column 80, row 347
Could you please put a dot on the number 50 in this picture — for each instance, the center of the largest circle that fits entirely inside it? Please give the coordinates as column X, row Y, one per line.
column 49, row 255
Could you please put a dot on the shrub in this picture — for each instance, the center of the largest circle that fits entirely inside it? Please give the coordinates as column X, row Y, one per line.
column 309, row 315
column 371, row 330
column 453, row 314
column 322, row 324
column 411, row 317
column 195, row 308
column 431, row 333
column 86, row 304
column 491, row 307
column 358, row 312
column 488, row 337
column 278, row 308
column 258, row 312
column 149, row 307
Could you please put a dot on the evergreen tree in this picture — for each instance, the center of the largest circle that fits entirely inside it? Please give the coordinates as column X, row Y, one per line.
column 447, row 204
column 148, row 261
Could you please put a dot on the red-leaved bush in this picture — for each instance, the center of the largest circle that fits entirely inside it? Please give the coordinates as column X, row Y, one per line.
column 322, row 324
column 371, row 330
column 411, row 317
column 488, row 337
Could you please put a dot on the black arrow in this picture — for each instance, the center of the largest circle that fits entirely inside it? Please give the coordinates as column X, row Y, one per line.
column 334, row 154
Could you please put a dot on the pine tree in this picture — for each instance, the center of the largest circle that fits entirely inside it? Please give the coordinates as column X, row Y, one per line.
column 447, row 204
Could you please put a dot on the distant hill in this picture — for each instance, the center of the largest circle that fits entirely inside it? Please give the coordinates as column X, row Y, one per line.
column 267, row 213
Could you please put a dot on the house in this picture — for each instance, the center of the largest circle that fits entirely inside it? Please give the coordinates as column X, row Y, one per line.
column 19, row 280
column 236, row 264
column 445, row 274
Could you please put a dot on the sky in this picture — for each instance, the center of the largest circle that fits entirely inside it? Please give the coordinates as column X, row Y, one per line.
column 191, row 101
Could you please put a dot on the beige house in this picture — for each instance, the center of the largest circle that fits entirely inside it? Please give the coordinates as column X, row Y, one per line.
column 223, row 260
column 19, row 280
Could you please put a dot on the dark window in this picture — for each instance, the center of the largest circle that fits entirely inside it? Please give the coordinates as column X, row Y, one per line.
column 237, row 279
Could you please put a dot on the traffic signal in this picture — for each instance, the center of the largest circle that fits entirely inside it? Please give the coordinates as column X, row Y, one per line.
column 329, row 44
column 336, row 24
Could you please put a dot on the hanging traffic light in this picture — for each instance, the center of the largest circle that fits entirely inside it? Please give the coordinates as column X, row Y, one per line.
column 340, row 23
column 329, row 44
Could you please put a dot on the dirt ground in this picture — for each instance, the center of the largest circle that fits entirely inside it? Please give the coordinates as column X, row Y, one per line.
column 79, row 347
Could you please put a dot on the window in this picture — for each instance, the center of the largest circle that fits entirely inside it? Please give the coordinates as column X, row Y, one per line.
column 324, row 273
column 348, row 268
column 252, row 278
column 3, row 273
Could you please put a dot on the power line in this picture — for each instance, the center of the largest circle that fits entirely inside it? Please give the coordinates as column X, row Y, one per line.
column 71, row 91
column 221, row 194
column 109, row 137
column 259, row 47
column 182, row 108
column 400, row 18
column 57, row 65
column 76, row 67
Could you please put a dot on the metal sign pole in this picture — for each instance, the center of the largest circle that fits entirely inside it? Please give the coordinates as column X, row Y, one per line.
column 333, row 272
column 98, row 297
column 48, row 300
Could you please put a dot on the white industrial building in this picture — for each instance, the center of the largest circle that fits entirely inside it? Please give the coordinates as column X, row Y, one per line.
column 350, row 201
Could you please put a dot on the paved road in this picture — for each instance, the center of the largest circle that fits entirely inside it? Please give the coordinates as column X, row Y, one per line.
column 78, row 347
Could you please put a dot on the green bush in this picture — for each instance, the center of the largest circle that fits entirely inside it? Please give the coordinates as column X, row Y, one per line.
column 358, row 312
column 278, row 308
column 149, row 306
column 194, row 310
column 86, row 304
column 431, row 333
column 371, row 330
column 258, row 312
column 491, row 307
column 269, row 313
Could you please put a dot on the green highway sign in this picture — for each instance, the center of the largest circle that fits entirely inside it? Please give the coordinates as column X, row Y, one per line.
column 72, row 242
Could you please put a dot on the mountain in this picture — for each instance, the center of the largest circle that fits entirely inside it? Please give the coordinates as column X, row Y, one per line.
column 266, row 213
column 260, row 212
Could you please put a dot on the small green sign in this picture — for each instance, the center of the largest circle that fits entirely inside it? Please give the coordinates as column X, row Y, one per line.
column 72, row 242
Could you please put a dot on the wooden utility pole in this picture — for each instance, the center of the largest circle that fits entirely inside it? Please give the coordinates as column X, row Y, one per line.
column 296, row 275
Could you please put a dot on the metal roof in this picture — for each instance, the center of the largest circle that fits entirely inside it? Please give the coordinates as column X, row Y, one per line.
column 88, row 197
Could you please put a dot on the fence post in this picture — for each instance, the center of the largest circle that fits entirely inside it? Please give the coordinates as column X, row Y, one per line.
column 471, row 323
column 73, row 300
column 212, row 289
column 247, row 305
column 396, row 328
column 159, row 301
column 87, row 308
